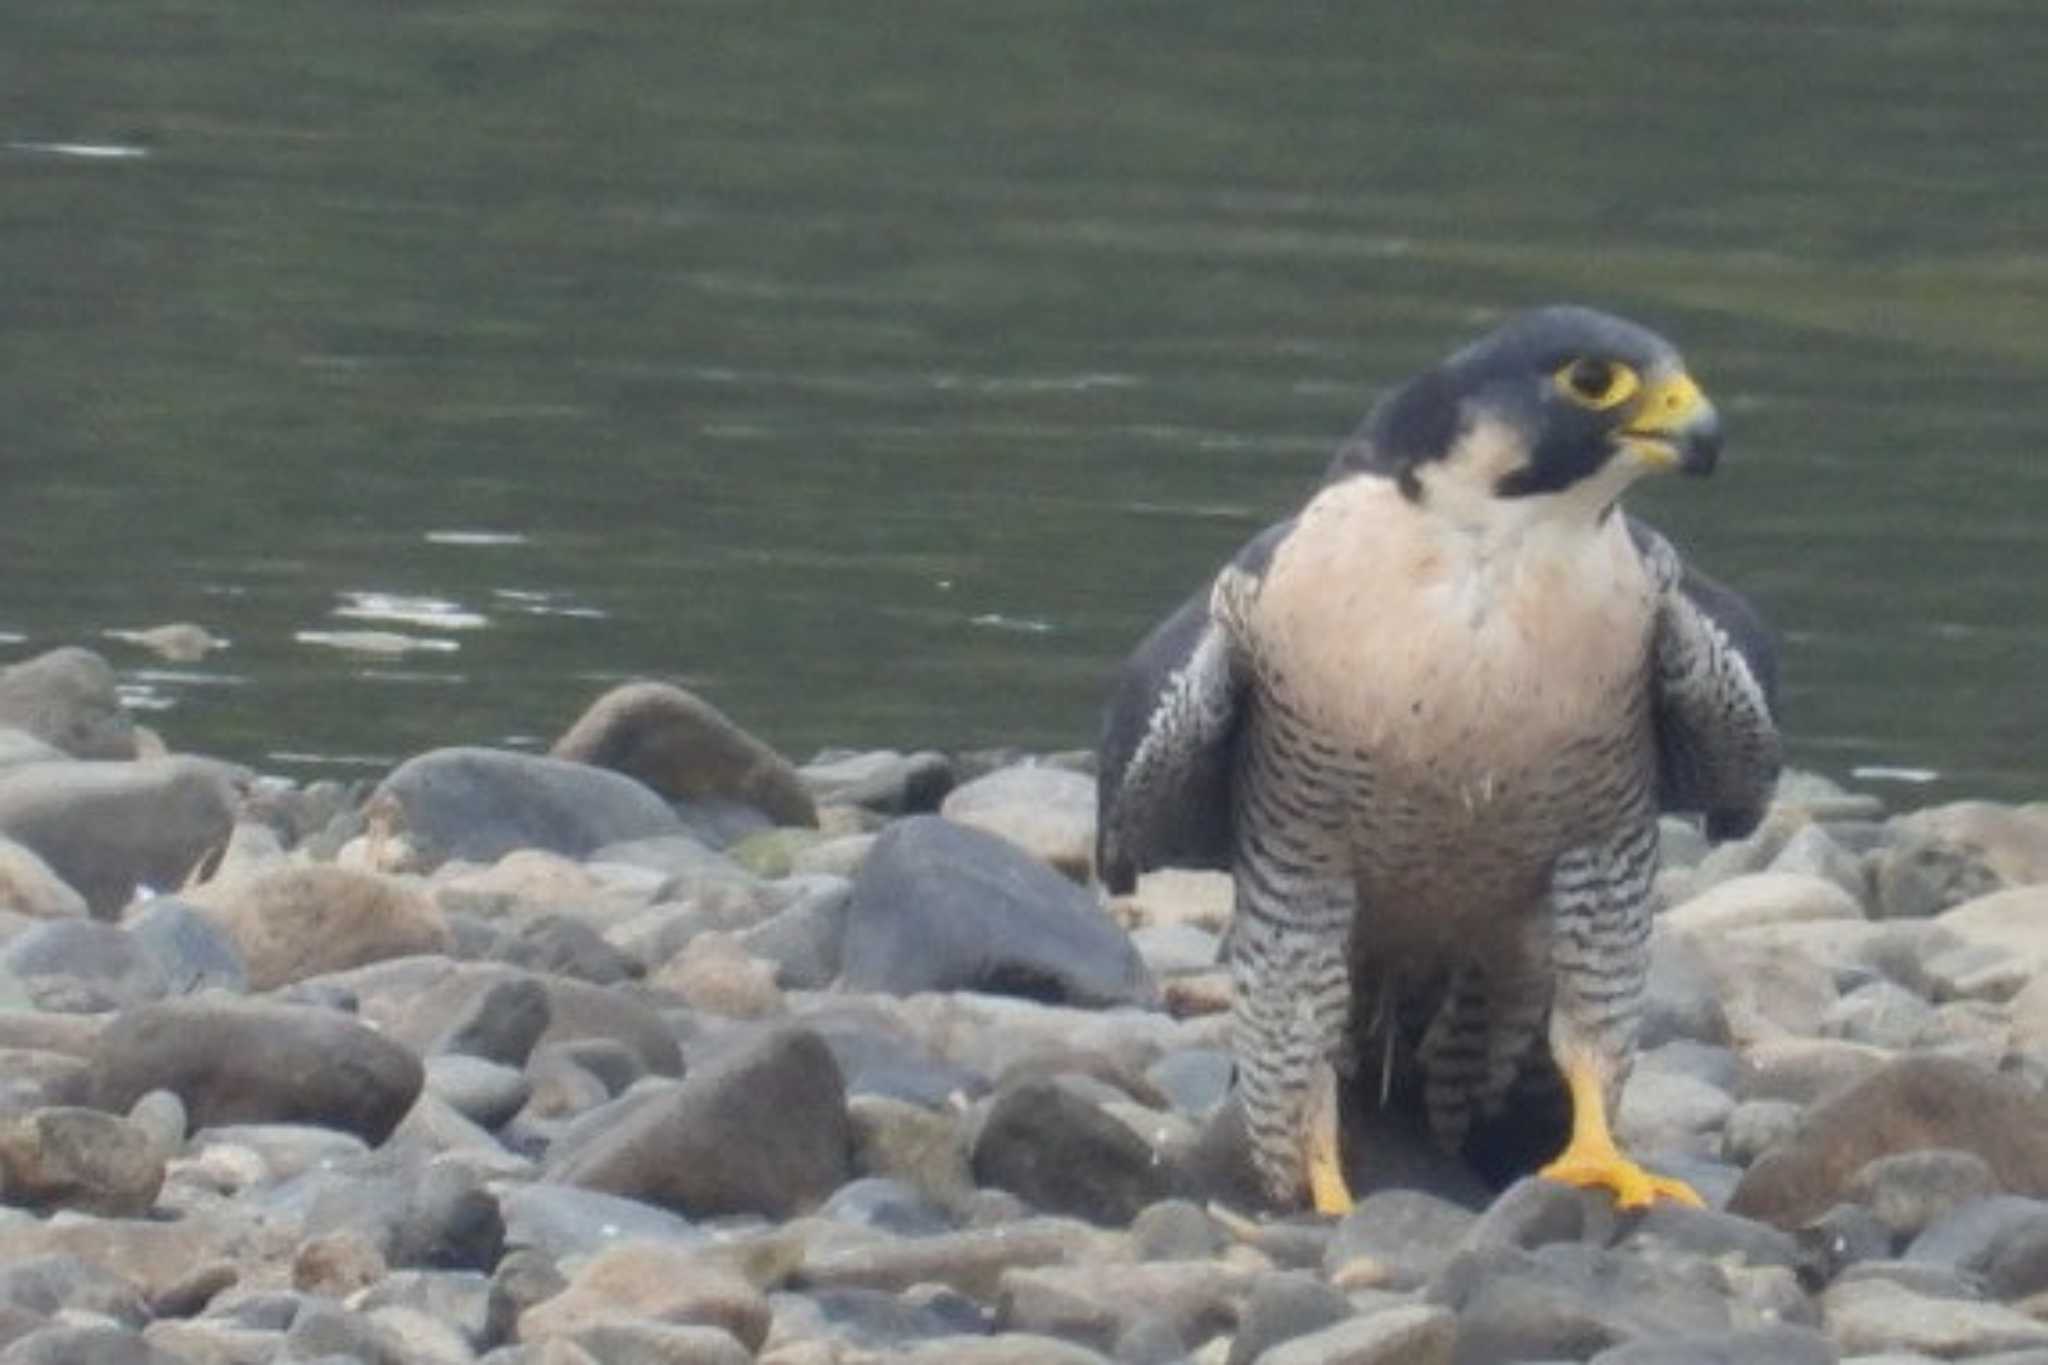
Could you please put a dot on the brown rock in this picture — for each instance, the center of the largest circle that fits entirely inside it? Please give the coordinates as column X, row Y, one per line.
column 685, row 748
column 1097, row 1304
column 337, row 1265
column 713, row 973
column 234, row 1061
column 643, row 1279
column 1914, row 1103
column 426, row 997
column 79, row 1159
column 297, row 921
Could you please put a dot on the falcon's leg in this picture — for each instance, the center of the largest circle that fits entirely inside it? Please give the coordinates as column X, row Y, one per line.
column 1600, row 936
column 1291, row 1003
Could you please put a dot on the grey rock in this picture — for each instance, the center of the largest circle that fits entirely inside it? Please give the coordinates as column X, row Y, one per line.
column 77, row 1344
column 1755, row 1126
column 1096, row 1304
column 484, row 1092
column 1398, row 1239
column 1813, row 852
column 1176, row 1230
column 192, row 950
column 807, row 940
column 1845, row 1236
column 564, row 1222
column 1063, row 1154
column 1934, row 1281
column 83, row 966
column 19, row 746
column 106, row 828
column 500, row 1024
column 480, row 804
column 683, row 747
column 427, row 1214
column 1534, row 1212
column 938, row 906
column 49, row 1284
column 419, row 1003
column 1569, row 1301
column 1047, row 811
column 1194, row 1080
column 1412, row 1334
column 1714, row 1235
column 1776, row 1345
column 920, row 1147
column 1910, row 1190
column 972, row 1261
column 1879, row 1013
column 1281, row 1307
column 882, row 780
column 564, row 945
column 67, row 698
column 889, row 1205
column 1966, row 1237
column 763, row 1129
column 879, row 1056
column 1680, row 999
column 1869, row 1315
column 233, row 1061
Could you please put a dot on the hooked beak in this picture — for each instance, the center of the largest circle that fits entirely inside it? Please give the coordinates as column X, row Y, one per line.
column 1674, row 427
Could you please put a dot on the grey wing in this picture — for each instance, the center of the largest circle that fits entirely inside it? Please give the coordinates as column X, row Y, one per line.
column 1169, row 742
column 1716, row 681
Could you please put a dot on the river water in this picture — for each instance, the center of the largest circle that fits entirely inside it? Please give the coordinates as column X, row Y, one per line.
column 883, row 370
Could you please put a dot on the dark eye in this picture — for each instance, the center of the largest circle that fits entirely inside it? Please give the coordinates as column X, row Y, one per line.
column 1597, row 384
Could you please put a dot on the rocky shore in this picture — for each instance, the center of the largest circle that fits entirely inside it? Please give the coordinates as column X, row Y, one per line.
column 661, row 1048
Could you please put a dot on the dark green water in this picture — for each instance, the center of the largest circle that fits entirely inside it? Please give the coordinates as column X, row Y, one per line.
column 883, row 370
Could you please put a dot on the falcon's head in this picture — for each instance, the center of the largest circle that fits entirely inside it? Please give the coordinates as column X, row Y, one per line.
column 1561, row 407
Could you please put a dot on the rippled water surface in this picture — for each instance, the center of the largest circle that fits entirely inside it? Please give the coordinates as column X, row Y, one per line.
column 883, row 370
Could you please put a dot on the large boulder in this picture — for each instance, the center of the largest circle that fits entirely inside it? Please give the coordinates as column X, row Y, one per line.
column 235, row 1061
column 67, row 698
column 938, row 907
column 106, row 828
column 480, row 804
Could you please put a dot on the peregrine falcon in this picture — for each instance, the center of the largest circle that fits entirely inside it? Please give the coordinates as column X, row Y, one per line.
column 1428, row 724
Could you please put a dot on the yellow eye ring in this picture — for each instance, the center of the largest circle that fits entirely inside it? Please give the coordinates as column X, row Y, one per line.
column 1597, row 384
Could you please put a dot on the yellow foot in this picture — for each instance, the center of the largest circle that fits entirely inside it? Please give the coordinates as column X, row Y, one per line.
column 1323, row 1153
column 1633, row 1187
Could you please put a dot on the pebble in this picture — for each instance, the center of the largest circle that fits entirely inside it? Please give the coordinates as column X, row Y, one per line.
column 612, row 1055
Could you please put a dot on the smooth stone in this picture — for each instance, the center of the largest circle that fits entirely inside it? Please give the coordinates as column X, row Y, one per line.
column 1282, row 1306
column 2015, row 1266
column 1979, row 971
column 1813, row 852
column 567, row 946
column 1840, row 1240
column 1757, row 1346
column 1681, row 998
column 971, row 1261
column 83, row 965
column 1935, row 1281
column 1398, row 1239
column 1917, row 875
column 658, row 1280
column 871, row 1320
column 28, row 885
column 194, row 952
column 1007, row 1348
column 883, row 780
column 233, row 1061
column 879, row 1054
column 19, row 746
column 1534, row 1212
column 48, row 1284
column 35, row 1078
column 1760, row 898
column 1766, row 993
column 1062, row 1154
column 1194, row 1080
column 1663, row 1109
column 1909, row 1190
column 479, row 804
column 2012, row 923
column 300, row 921
column 79, row 1159
column 1414, row 1334
column 2011, row 841
column 715, row 974
column 500, row 1025
column 683, row 747
column 762, row 1129
column 1712, row 1234
column 1048, row 812
column 1569, row 1301
column 806, row 941
column 913, row 1145
column 1174, row 895
column 938, row 906
column 632, row 1341
column 1913, row 1103
column 1753, row 1127
column 68, row 698
column 1966, row 1237
column 887, row 1204
column 566, row 1222
column 106, row 828
column 1879, row 1013
column 418, row 1001
column 1869, row 1315
column 434, row 1214
column 1807, row 1071
column 1096, row 1304
column 84, row 1344
column 488, row 1093
column 839, row 855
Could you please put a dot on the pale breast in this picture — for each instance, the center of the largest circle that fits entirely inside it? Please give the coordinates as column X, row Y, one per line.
column 1485, row 691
